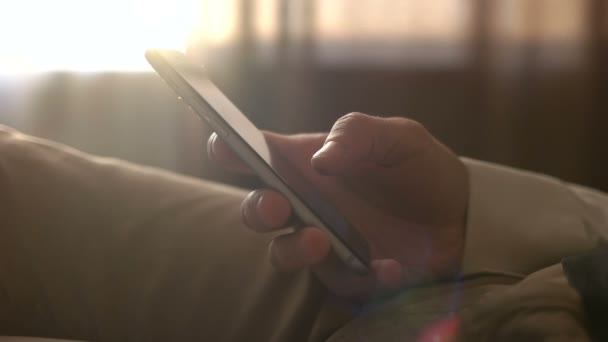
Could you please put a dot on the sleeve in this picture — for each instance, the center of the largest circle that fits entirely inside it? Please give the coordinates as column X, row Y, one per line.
column 587, row 273
column 519, row 222
column 98, row 249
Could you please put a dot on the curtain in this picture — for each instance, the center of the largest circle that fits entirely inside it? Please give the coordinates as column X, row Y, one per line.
column 520, row 82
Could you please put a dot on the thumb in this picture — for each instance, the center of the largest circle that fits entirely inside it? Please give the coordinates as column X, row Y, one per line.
column 359, row 141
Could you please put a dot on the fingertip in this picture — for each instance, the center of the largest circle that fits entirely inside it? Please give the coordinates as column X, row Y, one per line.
column 219, row 151
column 315, row 245
column 302, row 248
column 248, row 210
column 265, row 210
column 388, row 272
column 329, row 158
column 321, row 165
column 272, row 209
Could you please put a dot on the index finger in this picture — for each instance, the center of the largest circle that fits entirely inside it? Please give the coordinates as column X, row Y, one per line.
column 219, row 152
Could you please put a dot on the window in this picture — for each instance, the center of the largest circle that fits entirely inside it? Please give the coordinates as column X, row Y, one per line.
column 39, row 35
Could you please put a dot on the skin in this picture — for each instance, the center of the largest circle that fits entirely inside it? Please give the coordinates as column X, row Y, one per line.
column 404, row 191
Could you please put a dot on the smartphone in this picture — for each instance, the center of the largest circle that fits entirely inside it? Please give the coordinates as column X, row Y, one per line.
column 192, row 84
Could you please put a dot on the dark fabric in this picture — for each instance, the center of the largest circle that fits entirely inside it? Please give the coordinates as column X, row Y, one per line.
column 588, row 274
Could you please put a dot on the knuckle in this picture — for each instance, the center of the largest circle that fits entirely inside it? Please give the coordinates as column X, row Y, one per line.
column 412, row 128
column 354, row 118
column 351, row 122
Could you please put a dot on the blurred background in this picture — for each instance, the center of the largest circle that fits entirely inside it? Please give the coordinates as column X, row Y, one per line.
column 519, row 82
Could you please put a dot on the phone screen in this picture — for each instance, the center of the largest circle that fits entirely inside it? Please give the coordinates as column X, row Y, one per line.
column 193, row 84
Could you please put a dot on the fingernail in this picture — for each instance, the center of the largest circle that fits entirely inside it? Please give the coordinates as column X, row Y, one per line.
column 210, row 146
column 259, row 199
column 330, row 147
column 249, row 209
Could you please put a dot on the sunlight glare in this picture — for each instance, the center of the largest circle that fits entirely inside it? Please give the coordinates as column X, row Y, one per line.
column 93, row 35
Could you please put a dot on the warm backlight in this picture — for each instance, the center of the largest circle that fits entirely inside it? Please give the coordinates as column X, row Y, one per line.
column 90, row 35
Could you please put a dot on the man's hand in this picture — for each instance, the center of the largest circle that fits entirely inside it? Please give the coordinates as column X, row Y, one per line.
column 404, row 191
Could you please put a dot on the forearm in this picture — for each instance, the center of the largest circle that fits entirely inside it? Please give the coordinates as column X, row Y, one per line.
column 519, row 222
